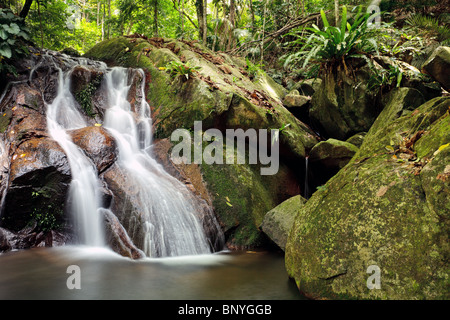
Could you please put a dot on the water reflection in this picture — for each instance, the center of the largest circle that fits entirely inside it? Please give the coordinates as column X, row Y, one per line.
column 41, row 274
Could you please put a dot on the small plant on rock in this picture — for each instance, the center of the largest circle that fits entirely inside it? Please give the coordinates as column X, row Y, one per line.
column 175, row 69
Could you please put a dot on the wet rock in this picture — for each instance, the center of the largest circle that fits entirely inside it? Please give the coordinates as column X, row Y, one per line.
column 216, row 98
column 39, row 171
column 438, row 66
column 117, row 238
column 97, row 144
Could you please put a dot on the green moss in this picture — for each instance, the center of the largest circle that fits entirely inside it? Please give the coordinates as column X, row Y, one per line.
column 84, row 96
column 437, row 136
column 5, row 119
column 377, row 210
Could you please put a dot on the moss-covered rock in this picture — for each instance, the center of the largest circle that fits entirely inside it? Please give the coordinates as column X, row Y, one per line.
column 343, row 105
column 278, row 222
column 219, row 94
column 387, row 207
column 333, row 153
column 438, row 66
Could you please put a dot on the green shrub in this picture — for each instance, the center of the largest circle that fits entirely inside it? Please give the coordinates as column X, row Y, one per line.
column 335, row 44
column 175, row 69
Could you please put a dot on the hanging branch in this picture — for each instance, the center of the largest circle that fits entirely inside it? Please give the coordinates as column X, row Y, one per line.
column 184, row 13
column 268, row 37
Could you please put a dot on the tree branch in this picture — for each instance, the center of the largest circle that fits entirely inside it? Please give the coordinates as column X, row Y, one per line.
column 184, row 13
column 26, row 8
column 294, row 24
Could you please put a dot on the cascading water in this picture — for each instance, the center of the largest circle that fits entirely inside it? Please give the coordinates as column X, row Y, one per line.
column 306, row 188
column 172, row 227
column 84, row 193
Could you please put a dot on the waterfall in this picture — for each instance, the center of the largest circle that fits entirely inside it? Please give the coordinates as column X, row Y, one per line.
column 168, row 210
column 84, row 192
column 306, row 190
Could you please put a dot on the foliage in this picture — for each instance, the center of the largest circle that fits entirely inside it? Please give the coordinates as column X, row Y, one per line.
column 175, row 69
column 46, row 214
column 254, row 69
column 84, row 97
column 429, row 24
column 333, row 44
column 390, row 77
column 13, row 34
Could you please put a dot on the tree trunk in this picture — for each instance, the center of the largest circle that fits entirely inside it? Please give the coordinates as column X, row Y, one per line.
column 336, row 12
column 205, row 22
column 155, row 18
column 199, row 7
column 26, row 8
column 232, row 18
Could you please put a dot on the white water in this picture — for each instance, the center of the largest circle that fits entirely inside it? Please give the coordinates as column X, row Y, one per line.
column 172, row 223
column 84, row 192
column 170, row 215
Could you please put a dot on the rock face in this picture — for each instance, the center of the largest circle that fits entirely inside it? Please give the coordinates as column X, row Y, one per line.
column 343, row 105
column 388, row 207
column 98, row 145
column 438, row 66
column 239, row 194
column 278, row 222
column 221, row 95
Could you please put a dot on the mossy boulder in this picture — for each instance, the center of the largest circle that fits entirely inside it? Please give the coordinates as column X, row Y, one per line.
column 238, row 193
column 333, row 153
column 220, row 94
column 387, row 207
column 344, row 105
column 438, row 66
column 278, row 222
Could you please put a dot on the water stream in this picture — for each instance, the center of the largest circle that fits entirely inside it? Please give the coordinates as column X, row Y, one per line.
column 172, row 223
column 84, row 193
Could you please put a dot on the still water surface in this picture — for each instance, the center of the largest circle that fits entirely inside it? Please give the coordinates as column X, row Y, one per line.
column 41, row 273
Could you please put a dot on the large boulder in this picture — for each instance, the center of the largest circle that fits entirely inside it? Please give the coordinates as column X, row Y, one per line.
column 220, row 94
column 98, row 144
column 239, row 194
column 37, row 173
column 438, row 66
column 388, row 207
column 343, row 105
column 277, row 223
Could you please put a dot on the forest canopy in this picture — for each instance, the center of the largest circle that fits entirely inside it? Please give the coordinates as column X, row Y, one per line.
column 269, row 32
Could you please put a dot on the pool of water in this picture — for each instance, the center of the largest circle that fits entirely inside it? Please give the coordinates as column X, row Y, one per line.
column 42, row 273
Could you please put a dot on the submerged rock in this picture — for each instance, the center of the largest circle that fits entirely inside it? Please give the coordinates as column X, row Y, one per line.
column 388, row 207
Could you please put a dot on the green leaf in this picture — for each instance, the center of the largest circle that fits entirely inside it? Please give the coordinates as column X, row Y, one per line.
column 5, row 50
column 12, row 28
column 343, row 22
column 324, row 18
column 3, row 34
